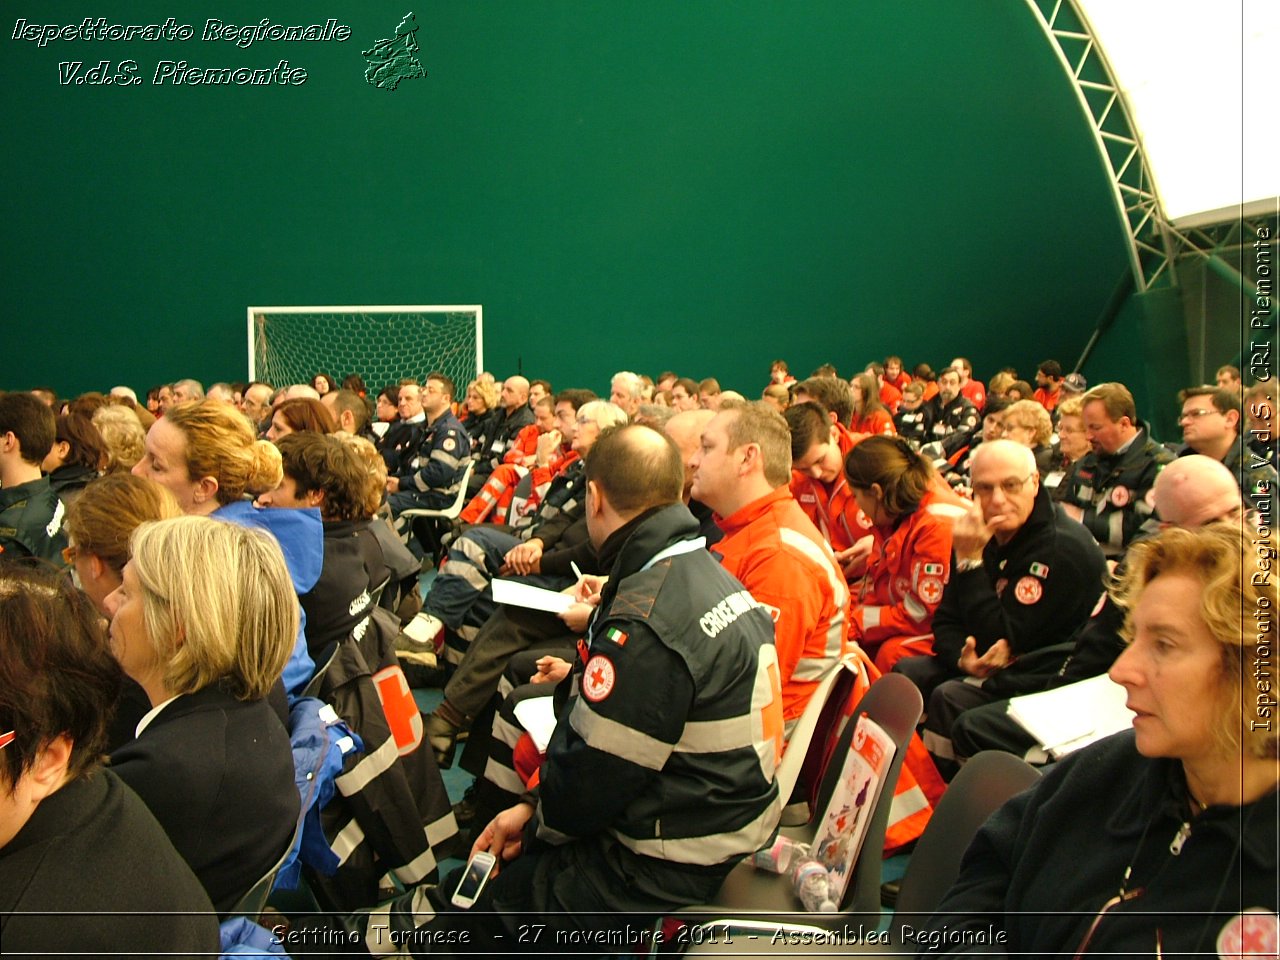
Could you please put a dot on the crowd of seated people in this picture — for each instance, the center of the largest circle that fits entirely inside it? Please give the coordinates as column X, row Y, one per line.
column 962, row 534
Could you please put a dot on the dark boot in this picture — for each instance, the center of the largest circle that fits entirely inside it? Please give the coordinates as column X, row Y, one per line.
column 442, row 729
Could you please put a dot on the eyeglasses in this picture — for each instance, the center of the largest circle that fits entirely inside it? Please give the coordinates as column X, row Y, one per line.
column 6, row 738
column 1195, row 414
column 1124, row 896
column 1009, row 485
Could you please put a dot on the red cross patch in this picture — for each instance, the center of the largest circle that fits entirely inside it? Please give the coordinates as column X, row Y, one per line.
column 1028, row 590
column 1254, row 933
column 597, row 678
column 1120, row 497
column 930, row 590
column 403, row 716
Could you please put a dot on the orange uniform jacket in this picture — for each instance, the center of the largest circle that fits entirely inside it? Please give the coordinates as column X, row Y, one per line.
column 906, row 574
column 1047, row 398
column 832, row 510
column 879, row 422
column 524, row 445
column 773, row 548
column 976, row 393
column 890, row 396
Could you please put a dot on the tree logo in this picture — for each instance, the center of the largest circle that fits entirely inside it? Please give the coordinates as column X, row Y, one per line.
column 396, row 59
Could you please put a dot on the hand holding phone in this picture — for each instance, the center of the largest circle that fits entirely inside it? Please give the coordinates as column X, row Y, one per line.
column 479, row 870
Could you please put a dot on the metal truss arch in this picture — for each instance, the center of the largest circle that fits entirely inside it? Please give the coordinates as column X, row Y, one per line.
column 1152, row 248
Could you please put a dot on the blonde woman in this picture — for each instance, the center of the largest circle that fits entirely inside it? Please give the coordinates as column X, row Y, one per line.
column 1072, row 441
column 204, row 621
column 481, row 412
column 1160, row 840
column 1028, row 423
column 124, row 436
column 99, row 525
column 209, row 457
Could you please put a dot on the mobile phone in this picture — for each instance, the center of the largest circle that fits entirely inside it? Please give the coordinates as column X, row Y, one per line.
column 479, row 870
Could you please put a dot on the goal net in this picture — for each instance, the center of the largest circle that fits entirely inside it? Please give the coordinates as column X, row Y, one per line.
column 383, row 344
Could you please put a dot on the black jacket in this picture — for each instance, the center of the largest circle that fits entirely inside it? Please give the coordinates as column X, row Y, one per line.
column 391, row 812
column 502, row 430
column 400, row 443
column 342, row 597
column 1045, row 863
column 1112, row 490
column 31, row 522
column 1033, row 591
column 432, row 471
column 93, row 846
column 676, row 648
column 952, row 425
column 217, row 772
column 70, row 480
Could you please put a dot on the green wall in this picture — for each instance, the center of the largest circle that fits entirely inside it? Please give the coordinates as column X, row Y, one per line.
column 701, row 185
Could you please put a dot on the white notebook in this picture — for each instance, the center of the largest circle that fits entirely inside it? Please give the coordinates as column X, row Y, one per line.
column 1074, row 716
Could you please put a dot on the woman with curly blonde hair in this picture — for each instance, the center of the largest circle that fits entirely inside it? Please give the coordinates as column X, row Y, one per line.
column 1028, row 423
column 124, row 436
column 1160, row 839
column 206, row 453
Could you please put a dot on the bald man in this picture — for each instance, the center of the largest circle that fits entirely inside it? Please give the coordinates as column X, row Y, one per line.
column 514, row 414
column 659, row 776
column 295, row 391
column 965, row 719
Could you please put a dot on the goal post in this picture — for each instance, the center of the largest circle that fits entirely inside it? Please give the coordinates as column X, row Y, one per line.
column 383, row 344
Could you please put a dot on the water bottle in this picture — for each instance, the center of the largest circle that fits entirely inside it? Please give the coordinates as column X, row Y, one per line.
column 809, row 877
column 778, row 856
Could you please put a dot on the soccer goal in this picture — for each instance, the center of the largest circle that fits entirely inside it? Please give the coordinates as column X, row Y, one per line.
column 381, row 343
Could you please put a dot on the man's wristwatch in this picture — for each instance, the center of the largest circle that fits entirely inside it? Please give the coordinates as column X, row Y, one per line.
column 964, row 566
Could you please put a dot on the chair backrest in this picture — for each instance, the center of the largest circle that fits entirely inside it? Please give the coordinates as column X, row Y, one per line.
column 978, row 790
column 255, row 899
column 524, row 489
column 375, row 595
column 895, row 704
column 460, row 500
column 316, row 684
column 801, row 741
column 452, row 511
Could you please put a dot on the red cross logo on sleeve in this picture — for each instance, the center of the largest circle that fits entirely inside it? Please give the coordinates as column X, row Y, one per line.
column 401, row 710
column 598, row 678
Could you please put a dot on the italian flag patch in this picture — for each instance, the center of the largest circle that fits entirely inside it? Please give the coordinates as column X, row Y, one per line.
column 1039, row 570
column 933, row 569
column 616, row 635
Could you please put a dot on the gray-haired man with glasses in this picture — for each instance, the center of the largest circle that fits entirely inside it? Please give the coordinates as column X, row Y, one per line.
column 1024, row 575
